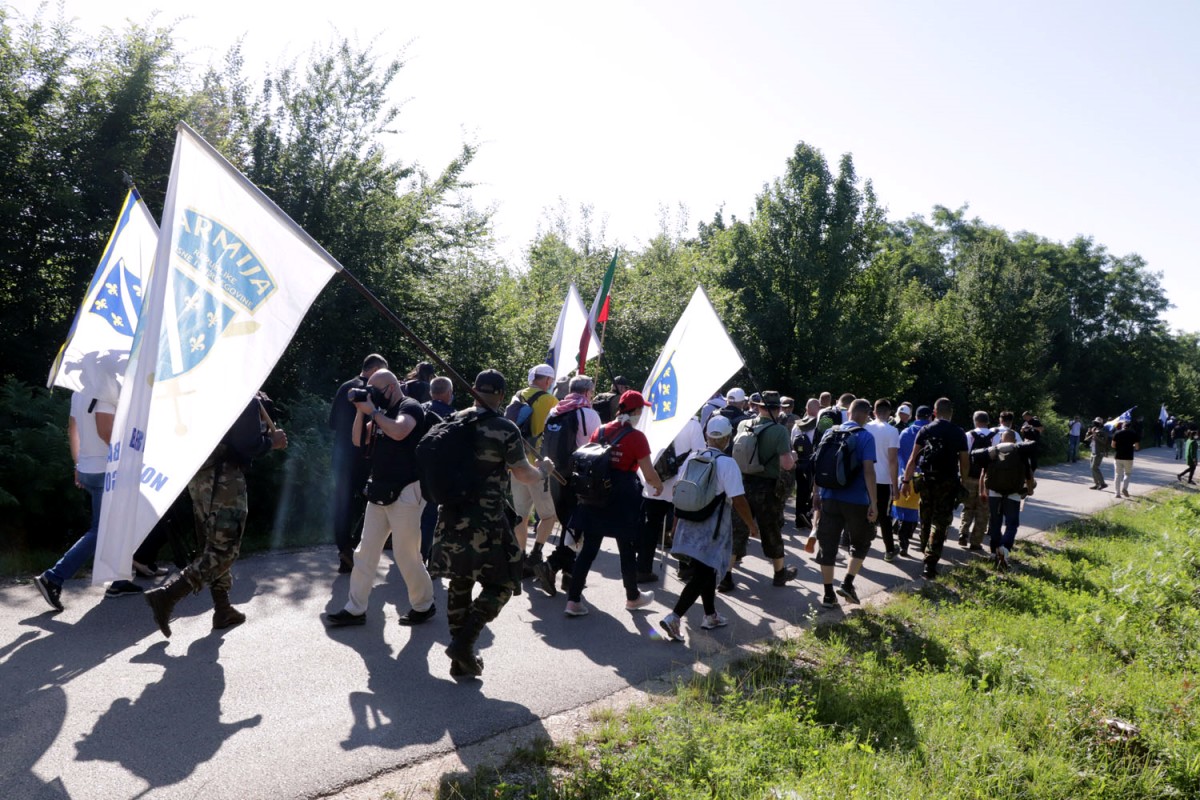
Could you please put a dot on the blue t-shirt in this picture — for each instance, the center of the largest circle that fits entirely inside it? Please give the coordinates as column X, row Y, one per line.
column 908, row 438
column 856, row 492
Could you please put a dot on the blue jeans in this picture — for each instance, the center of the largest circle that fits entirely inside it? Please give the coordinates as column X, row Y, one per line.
column 1008, row 510
column 83, row 550
column 1072, row 448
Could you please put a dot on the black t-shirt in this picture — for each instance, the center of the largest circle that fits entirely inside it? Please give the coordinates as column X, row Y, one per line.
column 395, row 462
column 939, row 444
column 342, row 412
column 1030, row 432
column 1123, row 442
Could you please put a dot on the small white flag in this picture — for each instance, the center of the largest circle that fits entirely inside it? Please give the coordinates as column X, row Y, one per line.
column 698, row 358
column 234, row 278
column 102, row 330
column 567, row 335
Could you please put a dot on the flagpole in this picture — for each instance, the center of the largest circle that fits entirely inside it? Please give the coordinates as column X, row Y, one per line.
column 390, row 315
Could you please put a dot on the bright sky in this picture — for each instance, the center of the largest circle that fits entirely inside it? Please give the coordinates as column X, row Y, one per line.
column 1058, row 118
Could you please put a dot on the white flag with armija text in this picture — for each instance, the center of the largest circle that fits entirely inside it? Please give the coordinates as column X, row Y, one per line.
column 697, row 360
column 234, row 277
column 102, row 331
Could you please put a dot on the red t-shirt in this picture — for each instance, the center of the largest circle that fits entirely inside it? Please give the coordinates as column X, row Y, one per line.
column 626, row 454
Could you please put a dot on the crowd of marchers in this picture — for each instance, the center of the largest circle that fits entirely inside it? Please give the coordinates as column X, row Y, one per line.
column 459, row 494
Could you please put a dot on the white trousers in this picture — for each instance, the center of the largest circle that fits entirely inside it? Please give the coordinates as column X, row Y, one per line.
column 402, row 519
column 1123, row 469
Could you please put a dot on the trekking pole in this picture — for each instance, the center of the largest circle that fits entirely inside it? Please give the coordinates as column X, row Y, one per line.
column 662, row 560
column 391, row 317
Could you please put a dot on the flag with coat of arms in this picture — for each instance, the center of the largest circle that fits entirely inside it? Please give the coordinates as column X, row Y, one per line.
column 696, row 361
column 234, row 277
column 102, row 331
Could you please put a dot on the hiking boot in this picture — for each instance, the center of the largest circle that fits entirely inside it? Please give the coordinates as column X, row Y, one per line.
column 545, row 578
column 414, row 617
column 119, row 588
column 976, row 547
column 224, row 614
column 963, row 541
column 846, row 590
column 464, row 661
column 829, row 601
column 574, row 609
column 713, row 621
column 930, row 572
column 340, row 619
column 49, row 591
column 727, row 586
column 782, row 576
column 670, row 626
column 641, row 601
column 163, row 599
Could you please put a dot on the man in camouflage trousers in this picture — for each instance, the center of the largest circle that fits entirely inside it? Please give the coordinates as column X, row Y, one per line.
column 218, row 492
column 476, row 544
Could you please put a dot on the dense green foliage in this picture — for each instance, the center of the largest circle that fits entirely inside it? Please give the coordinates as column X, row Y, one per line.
column 1074, row 676
column 819, row 290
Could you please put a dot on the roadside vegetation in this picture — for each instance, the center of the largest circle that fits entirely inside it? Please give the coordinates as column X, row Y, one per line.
column 1072, row 676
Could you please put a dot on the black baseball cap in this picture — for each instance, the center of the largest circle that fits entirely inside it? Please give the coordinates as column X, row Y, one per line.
column 490, row 381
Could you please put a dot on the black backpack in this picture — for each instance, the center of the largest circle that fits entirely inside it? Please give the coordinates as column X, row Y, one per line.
column 520, row 412
column 603, row 405
column 981, row 443
column 668, row 462
column 836, row 464
column 1006, row 472
column 558, row 438
column 447, row 467
column 591, row 469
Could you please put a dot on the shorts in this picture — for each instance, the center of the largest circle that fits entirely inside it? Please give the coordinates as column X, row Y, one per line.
column 837, row 516
column 527, row 496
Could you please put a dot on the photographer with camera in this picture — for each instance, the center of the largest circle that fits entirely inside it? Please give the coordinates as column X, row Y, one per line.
column 349, row 464
column 389, row 425
column 1097, row 437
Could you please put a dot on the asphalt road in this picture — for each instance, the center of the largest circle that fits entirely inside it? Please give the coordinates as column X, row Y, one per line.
column 95, row 703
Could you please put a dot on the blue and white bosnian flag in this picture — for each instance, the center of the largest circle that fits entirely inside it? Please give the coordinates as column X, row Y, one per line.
column 102, row 330
column 1124, row 416
column 564, row 347
column 697, row 360
column 234, row 277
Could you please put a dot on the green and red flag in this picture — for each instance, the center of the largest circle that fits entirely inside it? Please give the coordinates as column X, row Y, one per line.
column 600, row 308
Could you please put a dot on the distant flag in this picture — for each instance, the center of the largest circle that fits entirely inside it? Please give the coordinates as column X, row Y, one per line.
column 599, row 313
column 572, row 321
column 102, row 330
column 697, row 360
column 1124, row 416
column 234, row 276
column 1162, row 414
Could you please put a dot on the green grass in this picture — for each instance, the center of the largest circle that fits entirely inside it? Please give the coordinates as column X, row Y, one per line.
column 1074, row 676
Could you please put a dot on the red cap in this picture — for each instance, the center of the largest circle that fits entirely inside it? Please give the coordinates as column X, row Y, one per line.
column 631, row 401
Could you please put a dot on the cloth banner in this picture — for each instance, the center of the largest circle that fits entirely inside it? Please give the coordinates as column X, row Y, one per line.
column 1124, row 416
column 697, row 360
column 102, row 330
column 567, row 335
column 234, row 277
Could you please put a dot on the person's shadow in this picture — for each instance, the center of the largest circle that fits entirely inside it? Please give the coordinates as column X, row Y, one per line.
column 175, row 725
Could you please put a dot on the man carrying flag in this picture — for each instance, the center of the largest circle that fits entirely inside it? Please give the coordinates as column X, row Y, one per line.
column 233, row 278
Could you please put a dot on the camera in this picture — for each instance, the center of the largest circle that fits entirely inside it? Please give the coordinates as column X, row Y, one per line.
column 358, row 395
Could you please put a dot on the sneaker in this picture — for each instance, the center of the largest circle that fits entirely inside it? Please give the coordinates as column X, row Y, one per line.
column 829, row 601
column 643, row 599
column 545, row 578
column 150, row 570
column 670, row 626
column 727, row 586
column 930, row 572
column 889, row 556
column 339, row 619
column 647, row 577
column 713, row 621
column 846, row 590
column 118, row 588
column 1094, row 487
column 49, row 591
column 782, row 576
column 576, row 609
column 1002, row 558
column 414, row 617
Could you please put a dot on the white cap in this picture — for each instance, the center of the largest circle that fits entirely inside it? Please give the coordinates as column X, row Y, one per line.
column 719, row 427
column 541, row 371
column 905, row 408
column 735, row 395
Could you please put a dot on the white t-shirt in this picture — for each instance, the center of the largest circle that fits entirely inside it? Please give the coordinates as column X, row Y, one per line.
column 886, row 438
column 589, row 421
column 690, row 439
column 999, row 431
column 1076, row 427
column 93, row 451
column 729, row 475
